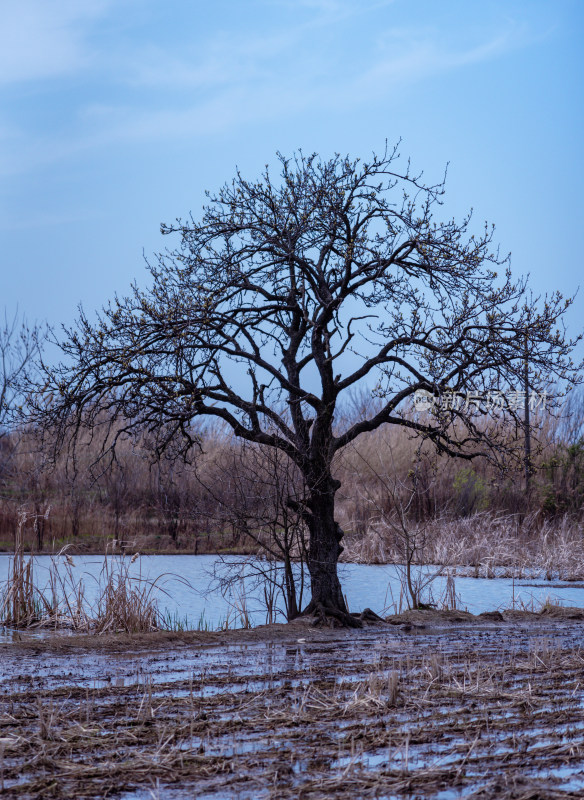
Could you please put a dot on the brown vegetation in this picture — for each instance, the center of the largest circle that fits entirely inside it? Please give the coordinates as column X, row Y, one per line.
column 125, row 602
column 233, row 499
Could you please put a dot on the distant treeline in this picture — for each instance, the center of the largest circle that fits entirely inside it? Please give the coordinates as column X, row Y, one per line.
column 231, row 496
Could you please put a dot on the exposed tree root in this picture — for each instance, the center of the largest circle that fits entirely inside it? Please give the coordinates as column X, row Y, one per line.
column 367, row 615
column 327, row 615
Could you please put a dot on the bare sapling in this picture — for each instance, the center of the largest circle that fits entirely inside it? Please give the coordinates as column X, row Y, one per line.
column 390, row 501
column 261, row 509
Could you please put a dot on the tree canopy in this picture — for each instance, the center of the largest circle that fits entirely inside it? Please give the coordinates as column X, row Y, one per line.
column 291, row 292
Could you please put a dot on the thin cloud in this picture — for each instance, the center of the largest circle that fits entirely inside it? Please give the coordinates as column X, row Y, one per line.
column 46, row 220
column 234, row 81
column 274, row 94
column 422, row 58
column 42, row 39
column 224, row 60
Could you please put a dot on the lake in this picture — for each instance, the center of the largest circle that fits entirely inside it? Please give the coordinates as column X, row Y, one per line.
column 186, row 591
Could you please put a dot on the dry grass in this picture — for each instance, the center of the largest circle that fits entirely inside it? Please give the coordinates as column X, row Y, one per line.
column 125, row 602
column 22, row 603
column 487, row 544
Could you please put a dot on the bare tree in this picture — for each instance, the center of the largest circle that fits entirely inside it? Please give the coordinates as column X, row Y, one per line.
column 20, row 346
column 254, row 489
column 286, row 295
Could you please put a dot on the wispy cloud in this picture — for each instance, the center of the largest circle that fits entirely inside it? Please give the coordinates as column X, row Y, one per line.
column 41, row 39
column 16, row 222
column 412, row 58
column 264, row 79
column 234, row 78
column 226, row 58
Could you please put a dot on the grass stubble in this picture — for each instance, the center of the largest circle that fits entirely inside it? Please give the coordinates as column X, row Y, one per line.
column 434, row 703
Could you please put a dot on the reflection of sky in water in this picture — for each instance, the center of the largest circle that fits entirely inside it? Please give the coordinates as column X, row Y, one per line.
column 183, row 581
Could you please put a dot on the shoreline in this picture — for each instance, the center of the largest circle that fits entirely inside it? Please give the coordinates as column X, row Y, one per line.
column 422, row 621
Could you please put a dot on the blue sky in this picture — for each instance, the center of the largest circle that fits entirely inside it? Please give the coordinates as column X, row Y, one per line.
column 116, row 115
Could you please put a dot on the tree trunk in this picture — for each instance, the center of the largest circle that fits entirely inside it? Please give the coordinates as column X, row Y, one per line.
column 323, row 555
column 324, row 551
column 290, row 589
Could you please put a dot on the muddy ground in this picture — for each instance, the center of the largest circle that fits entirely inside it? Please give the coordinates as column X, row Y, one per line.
column 431, row 705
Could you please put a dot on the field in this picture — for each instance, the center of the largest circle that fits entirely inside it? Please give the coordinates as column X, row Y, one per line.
column 429, row 705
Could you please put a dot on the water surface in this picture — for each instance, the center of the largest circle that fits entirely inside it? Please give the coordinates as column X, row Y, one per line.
column 187, row 590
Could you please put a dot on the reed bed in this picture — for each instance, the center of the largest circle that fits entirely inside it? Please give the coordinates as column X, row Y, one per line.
column 125, row 602
column 486, row 544
column 22, row 603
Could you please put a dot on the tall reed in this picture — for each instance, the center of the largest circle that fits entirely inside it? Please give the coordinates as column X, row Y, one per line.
column 22, row 604
column 125, row 601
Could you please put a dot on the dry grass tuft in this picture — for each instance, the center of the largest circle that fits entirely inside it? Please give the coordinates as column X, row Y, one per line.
column 125, row 602
column 22, row 603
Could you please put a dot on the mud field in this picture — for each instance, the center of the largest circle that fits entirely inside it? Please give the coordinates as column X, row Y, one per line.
column 432, row 705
